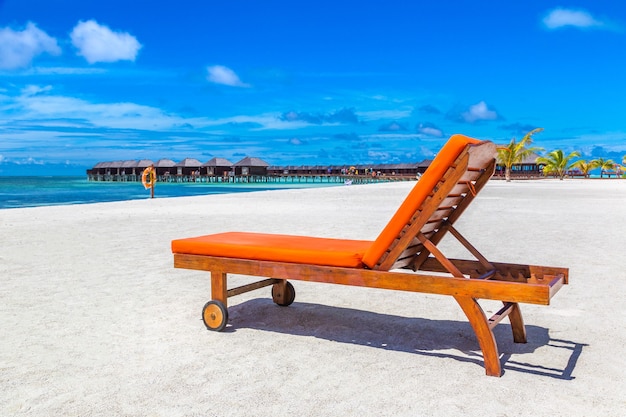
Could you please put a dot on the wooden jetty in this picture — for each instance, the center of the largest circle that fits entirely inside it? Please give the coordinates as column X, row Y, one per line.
column 253, row 170
column 254, row 179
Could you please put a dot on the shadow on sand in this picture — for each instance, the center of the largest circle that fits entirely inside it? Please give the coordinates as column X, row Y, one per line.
column 405, row 334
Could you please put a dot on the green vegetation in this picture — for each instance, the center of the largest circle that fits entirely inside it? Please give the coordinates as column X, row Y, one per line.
column 515, row 152
column 584, row 167
column 604, row 165
column 554, row 162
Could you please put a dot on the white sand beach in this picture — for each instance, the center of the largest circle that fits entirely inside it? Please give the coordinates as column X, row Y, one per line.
column 95, row 321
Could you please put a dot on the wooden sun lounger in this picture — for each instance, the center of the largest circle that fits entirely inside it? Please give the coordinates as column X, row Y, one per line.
column 404, row 257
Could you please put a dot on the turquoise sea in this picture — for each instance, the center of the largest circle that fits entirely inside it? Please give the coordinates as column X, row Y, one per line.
column 16, row 192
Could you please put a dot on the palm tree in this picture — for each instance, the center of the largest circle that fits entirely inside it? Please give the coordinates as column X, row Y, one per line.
column 584, row 166
column 516, row 152
column 604, row 165
column 557, row 163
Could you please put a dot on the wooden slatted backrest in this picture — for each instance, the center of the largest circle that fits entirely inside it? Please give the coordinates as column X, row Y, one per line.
column 446, row 189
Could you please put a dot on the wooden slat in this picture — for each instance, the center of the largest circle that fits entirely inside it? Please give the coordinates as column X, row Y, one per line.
column 457, row 184
column 431, row 203
column 501, row 314
column 251, row 287
column 485, row 175
column 460, row 189
column 452, row 200
column 514, row 272
column 431, row 227
column 406, row 258
column 539, row 293
column 488, row 275
column 557, row 282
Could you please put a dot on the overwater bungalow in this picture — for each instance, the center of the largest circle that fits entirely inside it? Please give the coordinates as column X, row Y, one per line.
column 249, row 169
column 250, row 166
column 217, row 167
column 143, row 164
column 405, row 169
column 98, row 170
column 115, row 168
column 129, row 170
column 165, row 169
column 527, row 168
column 188, row 168
column 422, row 166
column 276, row 170
column 257, row 170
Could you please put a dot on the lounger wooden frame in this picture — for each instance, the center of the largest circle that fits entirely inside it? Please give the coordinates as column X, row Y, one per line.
column 414, row 263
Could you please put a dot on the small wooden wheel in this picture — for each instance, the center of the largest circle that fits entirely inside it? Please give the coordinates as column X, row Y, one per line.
column 283, row 294
column 215, row 315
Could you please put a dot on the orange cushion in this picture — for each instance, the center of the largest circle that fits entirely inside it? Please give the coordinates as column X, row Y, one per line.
column 446, row 156
column 279, row 248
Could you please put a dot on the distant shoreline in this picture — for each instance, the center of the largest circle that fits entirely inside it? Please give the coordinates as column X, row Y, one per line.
column 37, row 191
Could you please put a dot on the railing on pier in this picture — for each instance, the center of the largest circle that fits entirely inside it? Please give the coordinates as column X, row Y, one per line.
column 236, row 179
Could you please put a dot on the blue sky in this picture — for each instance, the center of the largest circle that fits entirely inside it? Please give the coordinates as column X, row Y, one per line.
column 324, row 82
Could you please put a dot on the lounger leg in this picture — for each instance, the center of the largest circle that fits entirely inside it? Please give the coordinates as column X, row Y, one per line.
column 517, row 324
column 486, row 340
column 218, row 287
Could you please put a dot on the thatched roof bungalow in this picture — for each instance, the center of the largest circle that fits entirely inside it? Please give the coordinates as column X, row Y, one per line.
column 387, row 169
column 251, row 166
column 218, row 166
column 188, row 167
column 393, row 169
column 423, row 166
column 248, row 166
column 527, row 168
column 164, row 166
column 129, row 167
column 282, row 170
column 115, row 168
column 144, row 163
column 99, row 168
column 123, row 168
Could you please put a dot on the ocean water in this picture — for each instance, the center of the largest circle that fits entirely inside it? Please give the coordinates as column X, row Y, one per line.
column 16, row 192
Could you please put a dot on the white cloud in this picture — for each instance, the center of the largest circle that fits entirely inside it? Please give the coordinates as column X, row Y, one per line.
column 31, row 90
column 430, row 130
column 560, row 18
column 29, row 161
column 39, row 105
column 266, row 121
column 386, row 136
column 479, row 111
column 220, row 74
column 383, row 156
column 98, row 43
column 66, row 71
column 396, row 114
column 19, row 48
